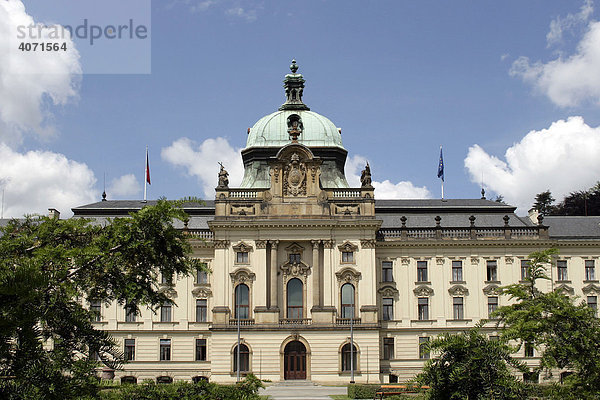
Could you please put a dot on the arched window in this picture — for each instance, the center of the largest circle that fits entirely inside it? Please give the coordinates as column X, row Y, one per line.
column 346, row 357
column 242, row 301
column 294, row 299
column 348, row 301
column 244, row 358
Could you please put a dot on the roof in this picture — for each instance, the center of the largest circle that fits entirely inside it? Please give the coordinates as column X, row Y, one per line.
column 565, row 227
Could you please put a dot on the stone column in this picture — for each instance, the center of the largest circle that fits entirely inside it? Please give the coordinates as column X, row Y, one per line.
column 274, row 291
column 328, row 275
column 315, row 274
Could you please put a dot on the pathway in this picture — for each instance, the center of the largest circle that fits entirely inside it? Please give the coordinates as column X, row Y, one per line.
column 301, row 390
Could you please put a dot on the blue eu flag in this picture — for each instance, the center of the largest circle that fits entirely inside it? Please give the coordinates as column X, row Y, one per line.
column 441, row 166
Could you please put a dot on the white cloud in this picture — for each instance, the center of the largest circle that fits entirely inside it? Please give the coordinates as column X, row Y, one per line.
column 248, row 15
column 385, row 189
column 38, row 180
column 31, row 82
column 123, row 186
column 202, row 161
column 567, row 81
column 562, row 158
column 559, row 25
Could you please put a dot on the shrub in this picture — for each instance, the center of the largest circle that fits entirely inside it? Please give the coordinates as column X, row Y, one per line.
column 362, row 391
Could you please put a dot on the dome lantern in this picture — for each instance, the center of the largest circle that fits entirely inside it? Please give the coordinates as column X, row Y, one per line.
column 294, row 88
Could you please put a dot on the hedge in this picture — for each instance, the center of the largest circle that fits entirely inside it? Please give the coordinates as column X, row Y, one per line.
column 362, row 391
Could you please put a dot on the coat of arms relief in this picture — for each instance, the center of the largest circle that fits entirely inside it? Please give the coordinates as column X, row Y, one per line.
column 294, row 177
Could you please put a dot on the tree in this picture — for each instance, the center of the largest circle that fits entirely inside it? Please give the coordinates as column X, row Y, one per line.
column 543, row 203
column 563, row 330
column 50, row 269
column 471, row 366
column 583, row 202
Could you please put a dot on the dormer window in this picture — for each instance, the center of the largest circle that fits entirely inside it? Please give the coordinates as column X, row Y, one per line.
column 347, row 250
column 242, row 257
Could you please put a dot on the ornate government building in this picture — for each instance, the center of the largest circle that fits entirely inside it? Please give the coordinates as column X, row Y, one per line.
column 323, row 280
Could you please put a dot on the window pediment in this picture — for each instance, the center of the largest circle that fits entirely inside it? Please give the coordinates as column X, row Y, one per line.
column 295, row 269
column 242, row 275
column 348, row 275
column 202, row 292
column 294, row 248
column 458, row 290
column 347, row 246
column 388, row 291
column 423, row 291
column 491, row 289
column 591, row 288
column 242, row 246
column 565, row 289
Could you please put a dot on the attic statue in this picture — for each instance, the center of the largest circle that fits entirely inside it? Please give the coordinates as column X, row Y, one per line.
column 223, row 178
column 365, row 177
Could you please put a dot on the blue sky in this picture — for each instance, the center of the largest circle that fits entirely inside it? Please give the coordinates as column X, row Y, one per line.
column 400, row 78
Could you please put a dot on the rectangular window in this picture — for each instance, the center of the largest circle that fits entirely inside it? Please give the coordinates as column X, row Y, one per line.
column 590, row 270
column 421, row 271
column 96, row 309
column 388, row 309
column 423, row 308
column 201, row 275
column 492, row 271
column 200, row 349
column 492, row 305
column 592, row 301
column 457, row 271
column 130, row 313
column 295, row 258
column 165, row 349
column 458, row 308
column 347, row 256
column 528, row 349
column 524, row 269
column 388, row 348
column 166, row 279
column 242, row 257
column 423, row 350
column 165, row 313
column 129, row 349
column 561, row 266
column 201, row 310
column 387, row 271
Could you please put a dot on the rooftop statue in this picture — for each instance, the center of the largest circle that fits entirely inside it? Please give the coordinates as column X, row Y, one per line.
column 223, row 178
column 365, row 177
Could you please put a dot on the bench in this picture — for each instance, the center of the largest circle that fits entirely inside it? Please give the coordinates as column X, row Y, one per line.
column 395, row 390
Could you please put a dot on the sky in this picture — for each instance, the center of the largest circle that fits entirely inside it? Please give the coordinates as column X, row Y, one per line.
column 511, row 90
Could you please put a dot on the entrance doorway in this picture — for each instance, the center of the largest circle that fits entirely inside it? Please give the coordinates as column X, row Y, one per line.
column 294, row 361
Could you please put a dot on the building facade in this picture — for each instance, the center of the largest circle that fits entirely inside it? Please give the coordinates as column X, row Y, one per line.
column 324, row 282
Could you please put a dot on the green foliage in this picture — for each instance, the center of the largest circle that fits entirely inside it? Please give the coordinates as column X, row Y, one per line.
column 583, row 202
column 203, row 390
column 362, row 391
column 50, row 267
column 543, row 203
column 471, row 366
column 566, row 332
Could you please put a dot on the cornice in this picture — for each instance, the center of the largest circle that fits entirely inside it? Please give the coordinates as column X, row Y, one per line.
column 294, row 224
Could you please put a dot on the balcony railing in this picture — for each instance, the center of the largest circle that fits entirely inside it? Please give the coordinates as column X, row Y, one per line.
column 204, row 234
column 464, row 233
column 243, row 322
column 346, row 193
column 294, row 321
column 346, row 321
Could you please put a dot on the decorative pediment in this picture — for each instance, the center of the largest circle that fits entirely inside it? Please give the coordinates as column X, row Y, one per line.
column 348, row 275
column 242, row 246
column 169, row 292
column 295, row 269
column 294, row 248
column 347, row 246
column 202, row 291
column 423, row 291
column 491, row 290
column 458, row 290
column 242, row 275
column 591, row 288
column 388, row 291
column 565, row 289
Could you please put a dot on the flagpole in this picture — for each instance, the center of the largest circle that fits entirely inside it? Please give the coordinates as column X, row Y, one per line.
column 442, row 190
column 145, row 175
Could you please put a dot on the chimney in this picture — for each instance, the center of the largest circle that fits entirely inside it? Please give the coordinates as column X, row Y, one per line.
column 53, row 213
column 533, row 215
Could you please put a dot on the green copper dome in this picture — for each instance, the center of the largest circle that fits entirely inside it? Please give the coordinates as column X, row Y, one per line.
column 272, row 130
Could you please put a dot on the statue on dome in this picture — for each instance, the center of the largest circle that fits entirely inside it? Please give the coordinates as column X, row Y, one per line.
column 223, row 178
column 365, row 177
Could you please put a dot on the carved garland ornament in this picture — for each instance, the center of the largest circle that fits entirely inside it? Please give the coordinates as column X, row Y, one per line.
column 491, row 290
column 405, row 261
column 242, row 275
column 458, row 290
column 388, row 291
column 295, row 269
column 202, row 292
column 423, row 291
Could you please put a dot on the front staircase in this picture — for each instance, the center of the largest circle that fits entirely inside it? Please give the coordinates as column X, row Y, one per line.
column 300, row 390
